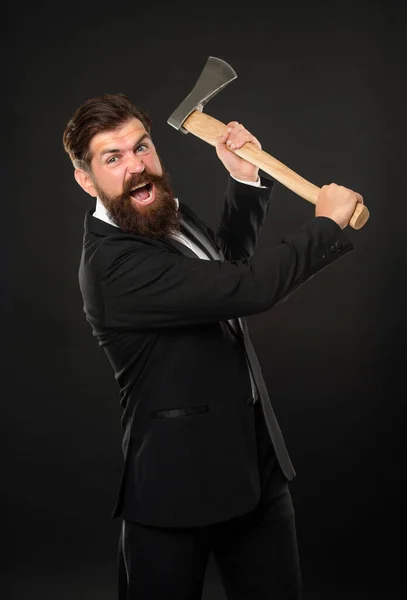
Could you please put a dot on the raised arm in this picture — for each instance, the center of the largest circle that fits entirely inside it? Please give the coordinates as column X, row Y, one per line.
column 247, row 196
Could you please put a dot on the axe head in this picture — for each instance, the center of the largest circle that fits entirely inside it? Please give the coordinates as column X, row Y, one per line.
column 215, row 75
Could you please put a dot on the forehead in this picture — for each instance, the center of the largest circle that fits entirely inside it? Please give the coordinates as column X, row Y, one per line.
column 119, row 138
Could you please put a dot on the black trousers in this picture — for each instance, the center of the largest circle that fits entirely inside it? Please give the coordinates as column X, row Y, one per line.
column 256, row 553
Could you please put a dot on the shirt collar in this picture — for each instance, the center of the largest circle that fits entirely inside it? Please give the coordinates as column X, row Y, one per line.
column 102, row 214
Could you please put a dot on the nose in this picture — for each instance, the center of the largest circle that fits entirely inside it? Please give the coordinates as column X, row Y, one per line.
column 135, row 164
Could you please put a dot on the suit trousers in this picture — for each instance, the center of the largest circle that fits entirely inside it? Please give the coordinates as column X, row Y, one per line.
column 256, row 553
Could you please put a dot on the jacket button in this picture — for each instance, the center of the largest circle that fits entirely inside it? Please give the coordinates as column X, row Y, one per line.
column 338, row 245
column 333, row 248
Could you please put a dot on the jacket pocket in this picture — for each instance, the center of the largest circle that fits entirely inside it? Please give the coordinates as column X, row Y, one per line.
column 180, row 412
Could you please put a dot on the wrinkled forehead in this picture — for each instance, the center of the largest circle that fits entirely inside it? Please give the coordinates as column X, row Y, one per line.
column 121, row 138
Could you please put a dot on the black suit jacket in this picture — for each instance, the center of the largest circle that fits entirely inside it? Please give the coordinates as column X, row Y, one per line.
column 161, row 314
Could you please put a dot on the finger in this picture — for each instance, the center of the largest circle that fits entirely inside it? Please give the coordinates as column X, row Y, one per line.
column 222, row 139
column 233, row 124
column 234, row 129
column 245, row 138
column 228, row 135
column 242, row 138
column 359, row 197
column 237, row 134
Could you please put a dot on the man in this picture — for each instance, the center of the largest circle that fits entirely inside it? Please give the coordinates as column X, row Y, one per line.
column 205, row 464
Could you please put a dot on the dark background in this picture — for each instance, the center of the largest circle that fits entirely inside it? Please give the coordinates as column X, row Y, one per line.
column 323, row 88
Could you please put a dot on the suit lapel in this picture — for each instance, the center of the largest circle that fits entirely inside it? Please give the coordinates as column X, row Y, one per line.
column 180, row 247
column 199, row 239
column 193, row 227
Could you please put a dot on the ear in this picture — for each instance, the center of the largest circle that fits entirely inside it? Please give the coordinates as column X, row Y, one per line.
column 84, row 180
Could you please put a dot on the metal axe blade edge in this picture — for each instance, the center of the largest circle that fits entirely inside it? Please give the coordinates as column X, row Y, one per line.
column 215, row 75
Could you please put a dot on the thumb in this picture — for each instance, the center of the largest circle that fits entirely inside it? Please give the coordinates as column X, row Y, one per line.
column 221, row 141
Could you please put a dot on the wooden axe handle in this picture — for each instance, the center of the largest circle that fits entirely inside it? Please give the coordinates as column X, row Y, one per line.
column 208, row 129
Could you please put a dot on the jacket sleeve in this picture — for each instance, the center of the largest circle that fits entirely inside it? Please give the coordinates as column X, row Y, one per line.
column 144, row 286
column 242, row 218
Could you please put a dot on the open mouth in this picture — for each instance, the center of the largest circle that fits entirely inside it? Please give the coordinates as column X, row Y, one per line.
column 143, row 193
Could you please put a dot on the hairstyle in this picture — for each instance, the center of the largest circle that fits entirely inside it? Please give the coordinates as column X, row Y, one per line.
column 102, row 113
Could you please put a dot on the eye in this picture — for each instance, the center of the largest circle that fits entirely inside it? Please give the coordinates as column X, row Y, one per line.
column 142, row 148
column 112, row 159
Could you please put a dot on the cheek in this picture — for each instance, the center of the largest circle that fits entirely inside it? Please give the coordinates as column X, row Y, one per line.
column 155, row 166
column 112, row 183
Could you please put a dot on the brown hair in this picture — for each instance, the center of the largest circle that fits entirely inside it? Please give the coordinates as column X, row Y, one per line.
column 93, row 116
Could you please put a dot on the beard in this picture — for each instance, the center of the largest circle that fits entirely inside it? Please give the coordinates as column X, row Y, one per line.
column 157, row 220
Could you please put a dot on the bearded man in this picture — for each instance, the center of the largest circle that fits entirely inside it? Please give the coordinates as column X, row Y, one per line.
column 205, row 468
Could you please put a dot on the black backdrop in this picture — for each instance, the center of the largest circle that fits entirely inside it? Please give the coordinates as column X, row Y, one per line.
column 323, row 87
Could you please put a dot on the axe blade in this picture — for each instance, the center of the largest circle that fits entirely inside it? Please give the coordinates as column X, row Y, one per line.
column 215, row 75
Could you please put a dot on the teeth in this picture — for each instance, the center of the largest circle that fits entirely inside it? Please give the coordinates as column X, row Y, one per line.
column 138, row 186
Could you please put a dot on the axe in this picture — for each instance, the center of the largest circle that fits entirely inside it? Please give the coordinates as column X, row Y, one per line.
column 188, row 117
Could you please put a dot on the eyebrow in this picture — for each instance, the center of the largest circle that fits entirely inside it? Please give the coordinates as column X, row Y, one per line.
column 113, row 150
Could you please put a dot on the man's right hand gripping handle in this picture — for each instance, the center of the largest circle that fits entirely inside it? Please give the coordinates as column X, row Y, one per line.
column 337, row 203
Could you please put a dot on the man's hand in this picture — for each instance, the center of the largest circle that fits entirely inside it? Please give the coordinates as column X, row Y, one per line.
column 337, row 203
column 234, row 137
